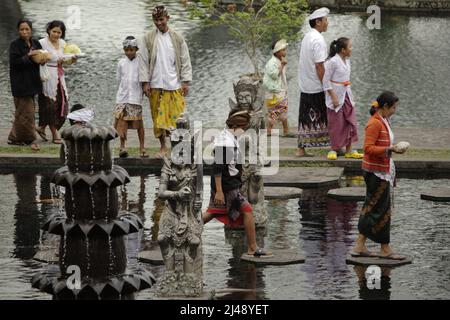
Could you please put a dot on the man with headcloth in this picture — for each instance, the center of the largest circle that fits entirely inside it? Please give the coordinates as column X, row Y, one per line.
column 227, row 204
column 165, row 73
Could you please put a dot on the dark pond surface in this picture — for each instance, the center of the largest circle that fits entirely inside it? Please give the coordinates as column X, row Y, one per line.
column 408, row 55
column 322, row 229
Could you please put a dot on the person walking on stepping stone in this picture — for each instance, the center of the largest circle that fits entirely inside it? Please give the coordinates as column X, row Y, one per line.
column 227, row 204
column 379, row 175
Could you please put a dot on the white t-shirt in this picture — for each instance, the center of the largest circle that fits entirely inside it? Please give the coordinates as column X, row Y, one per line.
column 164, row 74
column 130, row 89
column 313, row 50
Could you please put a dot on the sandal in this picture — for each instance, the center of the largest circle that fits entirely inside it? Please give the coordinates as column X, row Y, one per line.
column 35, row 147
column 144, row 154
column 392, row 256
column 57, row 141
column 123, row 154
column 261, row 253
column 42, row 134
column 364, row 254
column 14, row 143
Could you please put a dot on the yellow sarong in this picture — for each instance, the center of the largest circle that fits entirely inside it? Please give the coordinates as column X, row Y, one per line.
column 165, row 107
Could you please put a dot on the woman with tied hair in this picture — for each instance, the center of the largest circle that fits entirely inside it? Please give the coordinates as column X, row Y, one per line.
column 341, row 113
column 53, row 101
column 226, row 203
column 379, row 175
column 25, row 85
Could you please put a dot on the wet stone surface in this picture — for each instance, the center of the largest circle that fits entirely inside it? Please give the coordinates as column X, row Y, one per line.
column 47, row 255
column 305, row 177
column 348, row 194
column 152, row 256
column 282, row 193
column 436, row 194
column 280, row 257
column 369, row 261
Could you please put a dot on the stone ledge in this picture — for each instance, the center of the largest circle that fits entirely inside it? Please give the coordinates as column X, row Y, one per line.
column 153, row 256
column 282, row 193
column 436, row 194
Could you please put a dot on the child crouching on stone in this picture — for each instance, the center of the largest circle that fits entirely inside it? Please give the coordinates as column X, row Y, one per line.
column 227, row 204
column 128, row 111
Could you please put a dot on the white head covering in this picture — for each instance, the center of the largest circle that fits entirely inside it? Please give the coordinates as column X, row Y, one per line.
column 130, row 43
column 280, row 45
column 319, row 13
column 82, row 115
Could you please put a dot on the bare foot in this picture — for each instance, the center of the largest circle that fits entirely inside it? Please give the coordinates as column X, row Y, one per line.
column 161, row 153
column 303, row 153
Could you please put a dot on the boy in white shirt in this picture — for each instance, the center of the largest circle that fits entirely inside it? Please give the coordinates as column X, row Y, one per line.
column 128, row 111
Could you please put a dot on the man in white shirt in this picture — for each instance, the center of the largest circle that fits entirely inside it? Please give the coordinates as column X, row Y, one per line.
column 312, row 118
column 165, row 72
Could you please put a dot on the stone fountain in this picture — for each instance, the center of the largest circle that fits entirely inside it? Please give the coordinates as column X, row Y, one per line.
column 92, row 253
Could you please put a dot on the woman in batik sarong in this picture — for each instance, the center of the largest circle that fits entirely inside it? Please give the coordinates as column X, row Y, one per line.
column 379, row 174
column 341, row 113
column 25, row 85
column 53, row 101
column 276, row 99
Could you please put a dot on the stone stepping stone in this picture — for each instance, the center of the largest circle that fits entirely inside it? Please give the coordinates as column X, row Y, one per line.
column 153, row 256
column 436, row 194
column 305, row 177
column 348, row 194
column 282, row 193
column 368, row 261
column 47, row 256
column 279, row 258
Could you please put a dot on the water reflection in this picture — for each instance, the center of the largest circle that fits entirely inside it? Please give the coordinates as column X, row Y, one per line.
column 27, row 217
column 323, row 230
column 245, row 280
column 327, row 236
column 383, row 292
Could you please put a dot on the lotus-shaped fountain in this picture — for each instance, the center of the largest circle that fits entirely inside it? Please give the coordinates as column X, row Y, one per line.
column 92, row 230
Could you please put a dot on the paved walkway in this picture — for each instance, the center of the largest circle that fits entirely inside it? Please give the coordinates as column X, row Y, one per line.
column 420, row 138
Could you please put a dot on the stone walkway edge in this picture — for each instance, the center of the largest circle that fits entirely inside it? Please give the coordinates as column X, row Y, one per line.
column 13, row 161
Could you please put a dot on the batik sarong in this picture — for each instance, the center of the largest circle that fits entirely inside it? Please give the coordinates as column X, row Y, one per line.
column 166, row 107
column 375, row 219
column 277, row 106
column 312, row 121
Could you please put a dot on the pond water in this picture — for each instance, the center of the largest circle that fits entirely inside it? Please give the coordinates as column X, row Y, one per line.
column 323, row 230
column 407, row 55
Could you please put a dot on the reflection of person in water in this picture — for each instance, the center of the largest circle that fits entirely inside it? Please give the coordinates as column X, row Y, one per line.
column 27, row 216
column 325, row 237
column 366, row 293
column 245, row 280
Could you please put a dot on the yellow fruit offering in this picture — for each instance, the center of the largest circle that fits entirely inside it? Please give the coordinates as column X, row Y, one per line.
column 42, row 57
column 71, row 49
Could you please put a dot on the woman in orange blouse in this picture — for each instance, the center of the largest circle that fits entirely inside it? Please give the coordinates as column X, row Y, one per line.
column 379, row 175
